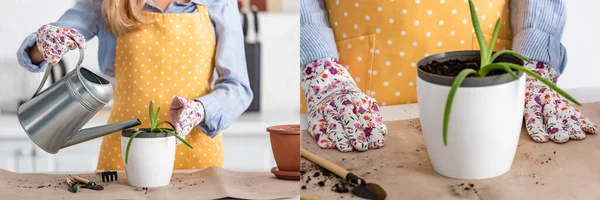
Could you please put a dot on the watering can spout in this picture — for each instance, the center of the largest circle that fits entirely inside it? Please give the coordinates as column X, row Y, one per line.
column 99, row 131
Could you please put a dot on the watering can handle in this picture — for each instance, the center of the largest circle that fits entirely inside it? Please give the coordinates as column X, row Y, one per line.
column 48, row 72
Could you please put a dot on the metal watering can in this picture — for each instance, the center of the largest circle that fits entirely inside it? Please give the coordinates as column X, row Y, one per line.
column 53, row 118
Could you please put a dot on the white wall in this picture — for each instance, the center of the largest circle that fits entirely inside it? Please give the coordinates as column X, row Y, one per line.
column 20, row 18
column 581, row 40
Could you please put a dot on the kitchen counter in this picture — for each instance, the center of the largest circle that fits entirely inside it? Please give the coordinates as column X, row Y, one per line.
column 210, row 183
column 246, row 124
column 402, row 166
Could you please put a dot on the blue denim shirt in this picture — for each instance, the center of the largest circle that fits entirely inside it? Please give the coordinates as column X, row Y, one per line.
column 231, row 94
column 537, row 26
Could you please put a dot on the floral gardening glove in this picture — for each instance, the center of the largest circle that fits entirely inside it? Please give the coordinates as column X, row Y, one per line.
column 53, row 42
column 548, row 115
column 185, row 115
column 339, row 113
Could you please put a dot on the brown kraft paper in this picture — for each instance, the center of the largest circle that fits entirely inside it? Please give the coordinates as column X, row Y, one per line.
column 402, row 167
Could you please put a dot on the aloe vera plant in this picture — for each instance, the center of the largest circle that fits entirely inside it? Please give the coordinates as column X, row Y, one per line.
column 487, row 65
column 154, row 128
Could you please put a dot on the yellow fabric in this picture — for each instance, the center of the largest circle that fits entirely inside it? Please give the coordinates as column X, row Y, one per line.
column 172, row 56
column 381, row 41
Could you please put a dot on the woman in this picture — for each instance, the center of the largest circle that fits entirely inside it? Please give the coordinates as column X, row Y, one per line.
column 162, row 51
column 380, row 42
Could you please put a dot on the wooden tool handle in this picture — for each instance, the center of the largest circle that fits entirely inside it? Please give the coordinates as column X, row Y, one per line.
column 82, row 180
column 304, row 197
column 69, row 181
column 336, row 169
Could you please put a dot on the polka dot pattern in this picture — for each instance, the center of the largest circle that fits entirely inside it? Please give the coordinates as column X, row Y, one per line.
column 172, row 56
column 392, row 36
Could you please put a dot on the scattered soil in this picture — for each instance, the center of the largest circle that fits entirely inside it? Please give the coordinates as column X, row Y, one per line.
column 27, row 183
column 323, row 179
column 340, row 188
column 542, row 159
column 547, row 158
column 465, row 190
column 454, row 66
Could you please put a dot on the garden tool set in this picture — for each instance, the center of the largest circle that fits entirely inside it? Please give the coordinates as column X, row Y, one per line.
column 75, row 183
column 362, row 189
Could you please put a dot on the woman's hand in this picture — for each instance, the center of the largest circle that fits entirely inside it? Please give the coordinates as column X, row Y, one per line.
column 185, row 115
column 53, row 42
column 548, row 115
column 339, row 113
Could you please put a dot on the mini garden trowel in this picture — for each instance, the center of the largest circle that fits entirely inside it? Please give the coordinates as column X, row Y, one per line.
column 363, row 189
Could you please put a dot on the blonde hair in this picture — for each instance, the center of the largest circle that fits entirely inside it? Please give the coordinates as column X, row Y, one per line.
column 122, row 16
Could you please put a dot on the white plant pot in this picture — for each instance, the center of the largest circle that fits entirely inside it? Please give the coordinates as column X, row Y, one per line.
column 485, row 121
column 151, row 159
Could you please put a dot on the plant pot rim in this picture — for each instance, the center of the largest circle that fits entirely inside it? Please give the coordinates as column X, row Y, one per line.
column 129, row 132
column 469, row 81
column 285, row 129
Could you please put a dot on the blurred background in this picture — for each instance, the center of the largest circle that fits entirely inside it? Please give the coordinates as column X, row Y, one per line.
column 272, row 48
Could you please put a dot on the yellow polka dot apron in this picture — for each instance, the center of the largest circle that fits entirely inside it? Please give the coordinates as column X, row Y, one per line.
column 381, row 41
column 172, row 56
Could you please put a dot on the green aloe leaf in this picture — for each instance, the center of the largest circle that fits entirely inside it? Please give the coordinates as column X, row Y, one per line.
column 129, row 145
column 167, row 123
column 179, row 138
column 494, row 37
column 497, row 54
column 480, row 39
column 457, row 81
column 156, row 117
column 543, row 80
column 151, row 113
column 491, row 67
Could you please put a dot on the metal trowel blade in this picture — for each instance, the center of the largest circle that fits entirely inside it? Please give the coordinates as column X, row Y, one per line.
column 369, row 191
column 73, row 188
column 94, row 187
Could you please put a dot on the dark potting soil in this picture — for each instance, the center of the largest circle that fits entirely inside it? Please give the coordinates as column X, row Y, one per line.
column 322, row 179
column 454, row 66
column 340, row 188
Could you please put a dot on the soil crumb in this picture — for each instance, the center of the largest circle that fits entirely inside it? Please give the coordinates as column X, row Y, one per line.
column 316, row 178
column 321, row 183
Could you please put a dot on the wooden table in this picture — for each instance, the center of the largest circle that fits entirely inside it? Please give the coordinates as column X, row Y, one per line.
column 402, row 167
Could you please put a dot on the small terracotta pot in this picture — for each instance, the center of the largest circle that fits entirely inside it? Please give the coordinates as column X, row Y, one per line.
column 285, row 143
